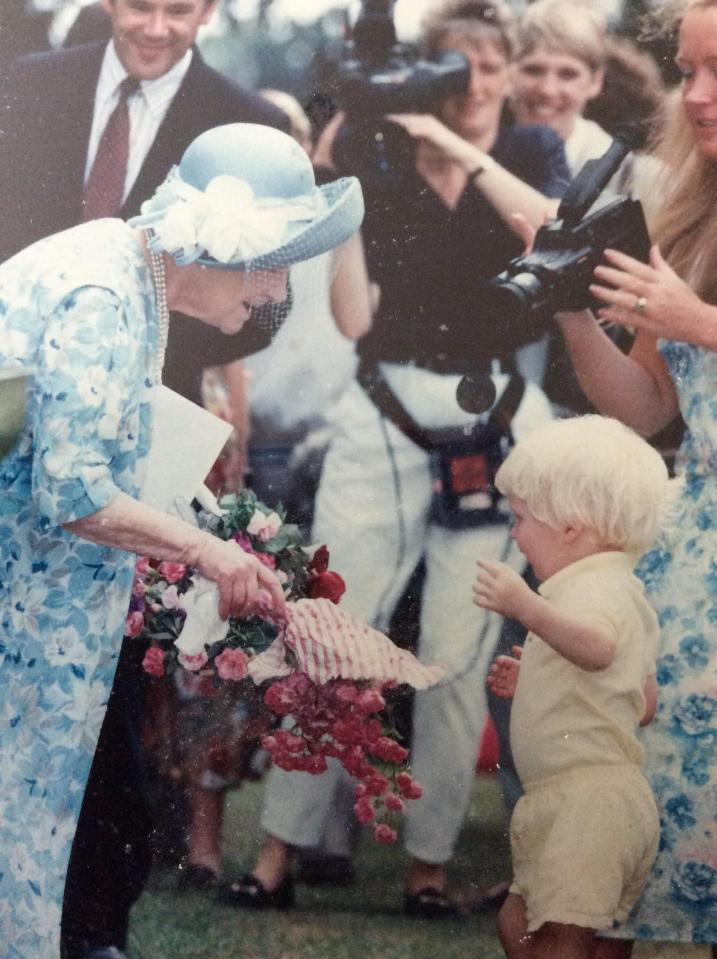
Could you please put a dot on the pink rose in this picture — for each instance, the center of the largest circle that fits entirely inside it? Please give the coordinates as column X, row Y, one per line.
column 262, row 526
column 134, row 624
column 266, row 559
column 153, row 662
column 231, row 664
column 172, row 572
column 142, row 566
column 193, row 663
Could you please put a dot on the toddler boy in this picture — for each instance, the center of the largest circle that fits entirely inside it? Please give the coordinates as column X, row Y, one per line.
column 589, row 496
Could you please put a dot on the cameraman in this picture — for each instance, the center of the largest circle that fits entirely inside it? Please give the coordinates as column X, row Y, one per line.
column 431, row 240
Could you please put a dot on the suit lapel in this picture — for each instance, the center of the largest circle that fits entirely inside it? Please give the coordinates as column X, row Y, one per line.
column 77, row 120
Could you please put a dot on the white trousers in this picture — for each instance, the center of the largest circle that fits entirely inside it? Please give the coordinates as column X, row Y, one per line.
column 372, row 512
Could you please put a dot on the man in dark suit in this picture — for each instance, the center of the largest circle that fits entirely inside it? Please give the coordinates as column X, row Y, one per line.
column 55, row 107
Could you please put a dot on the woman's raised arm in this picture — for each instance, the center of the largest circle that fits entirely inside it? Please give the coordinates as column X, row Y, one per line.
column 507, row 193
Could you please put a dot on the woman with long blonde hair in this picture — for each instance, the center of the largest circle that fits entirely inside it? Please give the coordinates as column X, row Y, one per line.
column 672, row 303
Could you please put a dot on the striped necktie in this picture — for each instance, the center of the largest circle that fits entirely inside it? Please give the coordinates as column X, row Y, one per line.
column 105, row 186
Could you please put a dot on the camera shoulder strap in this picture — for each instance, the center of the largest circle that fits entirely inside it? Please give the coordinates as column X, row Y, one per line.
column 388, row 404
column 376, row 387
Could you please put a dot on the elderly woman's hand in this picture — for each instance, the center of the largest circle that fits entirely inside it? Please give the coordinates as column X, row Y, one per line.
column 246, row 586
column 652, row 297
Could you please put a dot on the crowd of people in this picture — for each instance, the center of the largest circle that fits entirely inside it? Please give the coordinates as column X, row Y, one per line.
column 159, row 224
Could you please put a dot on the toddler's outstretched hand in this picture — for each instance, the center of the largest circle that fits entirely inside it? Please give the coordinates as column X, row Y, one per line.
column 500, row 588
column 502, row 677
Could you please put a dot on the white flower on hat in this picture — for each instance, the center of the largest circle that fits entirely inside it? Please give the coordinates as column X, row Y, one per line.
column 235, row 224
column 177, row 230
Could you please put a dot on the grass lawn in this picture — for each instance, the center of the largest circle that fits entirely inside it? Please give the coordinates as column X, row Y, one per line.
column 362, row 921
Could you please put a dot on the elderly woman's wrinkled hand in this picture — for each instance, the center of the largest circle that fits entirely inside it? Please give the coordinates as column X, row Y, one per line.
column 246, row 586
column 649, row 296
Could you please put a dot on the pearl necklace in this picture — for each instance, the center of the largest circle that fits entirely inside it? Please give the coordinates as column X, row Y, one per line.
column 159, row 275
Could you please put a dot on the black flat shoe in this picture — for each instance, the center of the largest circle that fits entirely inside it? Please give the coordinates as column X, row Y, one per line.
column 194, row 876
column 429, row 903
column 248, row 892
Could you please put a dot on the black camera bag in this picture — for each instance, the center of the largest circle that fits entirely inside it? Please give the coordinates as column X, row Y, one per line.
column 463, row 461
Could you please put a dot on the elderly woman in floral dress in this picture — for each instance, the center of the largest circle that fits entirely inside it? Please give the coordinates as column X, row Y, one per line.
column 87, row 311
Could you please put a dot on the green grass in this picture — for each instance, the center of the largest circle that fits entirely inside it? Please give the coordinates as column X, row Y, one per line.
column 361, row 921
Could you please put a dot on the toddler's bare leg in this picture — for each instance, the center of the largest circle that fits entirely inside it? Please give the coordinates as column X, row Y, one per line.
column 513, row 928
column 556, row 940
column 613, row 948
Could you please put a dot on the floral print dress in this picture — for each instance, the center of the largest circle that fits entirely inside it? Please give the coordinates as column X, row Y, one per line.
column 79, row 308
column 680, row 900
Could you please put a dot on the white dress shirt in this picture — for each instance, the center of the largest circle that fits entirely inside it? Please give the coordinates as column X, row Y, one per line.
column 147, row 109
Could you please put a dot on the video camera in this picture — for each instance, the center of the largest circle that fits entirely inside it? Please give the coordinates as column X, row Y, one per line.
column 556, row 274
column 377, row 75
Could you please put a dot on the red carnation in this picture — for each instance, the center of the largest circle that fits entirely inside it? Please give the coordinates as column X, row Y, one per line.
column 320, row 560
column 327, row 585
column 383, row 833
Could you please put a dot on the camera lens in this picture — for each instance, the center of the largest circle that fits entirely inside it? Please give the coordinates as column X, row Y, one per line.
column 512, row 300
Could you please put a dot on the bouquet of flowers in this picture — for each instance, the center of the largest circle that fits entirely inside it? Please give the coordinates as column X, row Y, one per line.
column 320, row 666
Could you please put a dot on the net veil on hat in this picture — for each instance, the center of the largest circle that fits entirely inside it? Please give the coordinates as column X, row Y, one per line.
column 244, row 197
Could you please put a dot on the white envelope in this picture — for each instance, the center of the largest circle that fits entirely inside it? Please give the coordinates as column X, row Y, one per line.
column 186, row 441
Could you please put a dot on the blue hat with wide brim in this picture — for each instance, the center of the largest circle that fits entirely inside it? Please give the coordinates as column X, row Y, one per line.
column 278, row 170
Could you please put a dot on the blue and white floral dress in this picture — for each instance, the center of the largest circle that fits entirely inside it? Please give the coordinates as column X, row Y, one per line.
column 78, row 307
column 680, row 900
